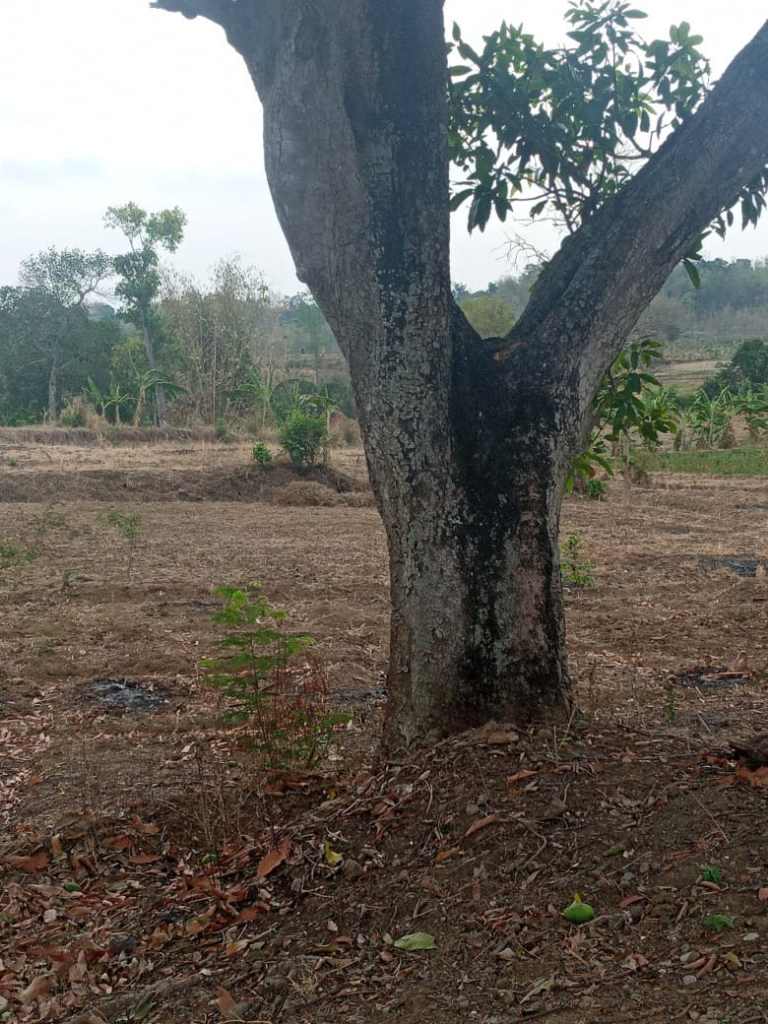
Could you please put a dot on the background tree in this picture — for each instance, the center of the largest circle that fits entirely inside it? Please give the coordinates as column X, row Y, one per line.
column 310, row 329
column 33, row 327
column 140, row 281
column 223, row 333
column 490, row 315
column 52, row 312
column 469, row 443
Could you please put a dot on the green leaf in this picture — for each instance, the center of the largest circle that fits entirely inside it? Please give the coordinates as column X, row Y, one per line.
column 718, row 922
column 142, row 1009
column 416, row 940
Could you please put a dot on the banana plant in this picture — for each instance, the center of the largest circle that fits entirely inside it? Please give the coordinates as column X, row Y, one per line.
column 709, row 418
column 103, row 401
column 147, row 386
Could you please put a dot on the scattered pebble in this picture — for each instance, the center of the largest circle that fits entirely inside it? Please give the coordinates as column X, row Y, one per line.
column 352, row 870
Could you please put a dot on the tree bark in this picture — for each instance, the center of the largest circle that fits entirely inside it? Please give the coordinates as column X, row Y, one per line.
column 53, row 387
column 468, row 441
column 161, row 408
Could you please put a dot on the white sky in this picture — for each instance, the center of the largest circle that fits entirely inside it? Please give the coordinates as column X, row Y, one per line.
column 106, row 101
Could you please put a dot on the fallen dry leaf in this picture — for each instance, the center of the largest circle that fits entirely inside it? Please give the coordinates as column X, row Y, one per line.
column 36, row 989
column 542, row 985
column 37, row 862
column 225, row 1002
column 758, row 777
column 147, row 828
column 237, row 947
column 501, row 738
column 491, row 819
column 637, row 898
column 273, row 859
column 445, row 855
column 118, row 842
column 251, row 913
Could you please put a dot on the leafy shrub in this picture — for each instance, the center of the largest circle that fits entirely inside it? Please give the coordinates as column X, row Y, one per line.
column 630, row 404
column 262, row 455
column 595, row 489
column 12, row 556
column 305, row 439
column 223, row 432
column 75, row 413
column 128, row 526
column 284, row 713
column 576, row 572
column 717, row 922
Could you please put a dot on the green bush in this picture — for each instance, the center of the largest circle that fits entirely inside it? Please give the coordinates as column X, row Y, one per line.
column 128, row 526
column 595, row 489
column 12, row 556
column 304, row 439
column 223, row 432
column 283, row 714
column 262, row 454
column 576, row 572
column 74, row 413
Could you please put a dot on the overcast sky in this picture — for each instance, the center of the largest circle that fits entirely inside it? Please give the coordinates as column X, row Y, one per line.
column 106, row 101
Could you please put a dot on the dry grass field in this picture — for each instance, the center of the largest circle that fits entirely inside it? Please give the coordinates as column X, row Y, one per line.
column 687, row 376
column 151, row 871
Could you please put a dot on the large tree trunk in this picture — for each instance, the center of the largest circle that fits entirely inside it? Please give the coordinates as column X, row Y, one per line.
column 468, row 442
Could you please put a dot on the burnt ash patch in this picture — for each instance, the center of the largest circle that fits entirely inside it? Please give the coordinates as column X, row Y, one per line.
column 709, row 677
column 125, row 695
column 742, row 565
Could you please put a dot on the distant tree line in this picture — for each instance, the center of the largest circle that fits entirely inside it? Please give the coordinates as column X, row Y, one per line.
column 729, row 306
column 135, row 341
column 131, row 340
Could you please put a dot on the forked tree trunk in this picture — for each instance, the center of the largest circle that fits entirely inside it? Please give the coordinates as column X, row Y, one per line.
column 468, row 441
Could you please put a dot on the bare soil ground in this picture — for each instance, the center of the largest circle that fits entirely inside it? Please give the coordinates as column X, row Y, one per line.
column 150, row 872
column 687, row 376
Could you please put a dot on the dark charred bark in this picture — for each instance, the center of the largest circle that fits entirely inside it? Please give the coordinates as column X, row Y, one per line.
column 468, row 442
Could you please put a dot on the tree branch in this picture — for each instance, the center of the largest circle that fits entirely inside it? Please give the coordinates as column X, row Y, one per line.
column 222, row 12
column 593, row 292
